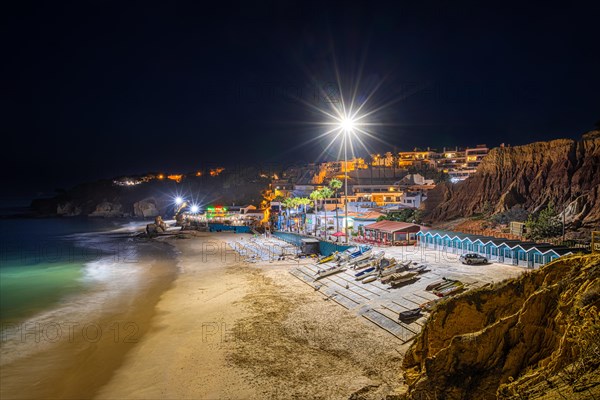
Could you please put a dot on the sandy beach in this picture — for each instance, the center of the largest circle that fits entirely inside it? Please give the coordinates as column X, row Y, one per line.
column 232, row 330
column 212, row 324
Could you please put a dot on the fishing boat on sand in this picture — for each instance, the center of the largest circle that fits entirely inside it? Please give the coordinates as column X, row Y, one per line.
column 364, row 260
column 398, row 276
column 449, row 290
column 328, row 258
column 421, row 269
column 329, row 271
column 403, row 282
column 354, row 253
column 435, row 285
column 369, row 279
column 361, row 274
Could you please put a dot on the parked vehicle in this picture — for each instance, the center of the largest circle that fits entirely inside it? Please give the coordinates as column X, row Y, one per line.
column 473, row 258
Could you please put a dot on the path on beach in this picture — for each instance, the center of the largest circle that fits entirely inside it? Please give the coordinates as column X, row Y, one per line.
column 228, row 329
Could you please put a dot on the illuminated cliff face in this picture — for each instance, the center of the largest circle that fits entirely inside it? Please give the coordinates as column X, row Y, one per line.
column 515, row 339
column 562, row 171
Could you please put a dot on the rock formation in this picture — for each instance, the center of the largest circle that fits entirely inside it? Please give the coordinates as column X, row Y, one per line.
column 535, row 334
column 145, row 208
column 68, row 209
column 563, row 171
column 108, row 209
column 159, row 226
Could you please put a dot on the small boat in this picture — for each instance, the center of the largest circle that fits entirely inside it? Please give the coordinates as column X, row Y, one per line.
column 449, row 290
column 328, row 258
column 329, row 271
column 421, row 269
column 369, row 279
column 398, row 276
column 393, row 270
column 409, row 315
column 445, row 286
column 437, row 284
column 362, row 265
column 355, row 252
column 403, row 282
column 360, row 274
column 367, row 275
column 366, row 260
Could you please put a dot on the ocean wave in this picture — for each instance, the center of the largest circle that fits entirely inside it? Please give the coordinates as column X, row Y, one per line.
column 108, row 284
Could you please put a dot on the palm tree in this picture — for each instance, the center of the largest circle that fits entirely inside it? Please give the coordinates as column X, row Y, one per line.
column 316, row 196
column 303, row 201
column 287, row 203
column 295, row 205
column 336, row 185
column 326, row 192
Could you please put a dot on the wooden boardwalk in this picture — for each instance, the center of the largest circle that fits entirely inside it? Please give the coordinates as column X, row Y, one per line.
column 374, row 301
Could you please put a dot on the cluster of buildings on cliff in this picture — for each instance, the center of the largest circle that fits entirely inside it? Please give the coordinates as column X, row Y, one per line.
column 385, row 182
column 389, row 180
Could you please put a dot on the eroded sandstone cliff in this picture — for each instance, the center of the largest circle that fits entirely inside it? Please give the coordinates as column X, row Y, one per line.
column 563, row 171
column 524, row 338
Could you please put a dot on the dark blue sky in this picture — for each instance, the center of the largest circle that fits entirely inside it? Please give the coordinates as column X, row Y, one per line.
column 99, row 88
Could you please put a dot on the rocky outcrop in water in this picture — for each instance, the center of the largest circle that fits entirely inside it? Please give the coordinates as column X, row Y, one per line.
column 107, row 209
column 68, row 209
column 538, row 334
column 146, row 208
column 563, row 171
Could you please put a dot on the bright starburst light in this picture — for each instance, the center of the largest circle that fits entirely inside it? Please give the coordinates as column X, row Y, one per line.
column 353, row 105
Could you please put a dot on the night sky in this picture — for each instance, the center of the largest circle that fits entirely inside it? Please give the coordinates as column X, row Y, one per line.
column 95, row 89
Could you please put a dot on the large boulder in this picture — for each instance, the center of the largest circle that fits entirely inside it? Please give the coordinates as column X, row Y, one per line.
column 68, row 209
column 162, row 226
column 152, row 230
column 145, row 208
column 108, row 209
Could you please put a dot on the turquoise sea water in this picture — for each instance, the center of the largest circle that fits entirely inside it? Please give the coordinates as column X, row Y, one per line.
column 42, row 261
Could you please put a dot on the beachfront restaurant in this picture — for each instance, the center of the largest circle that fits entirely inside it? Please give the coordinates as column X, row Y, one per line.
column 506, row 251
column 390, row 232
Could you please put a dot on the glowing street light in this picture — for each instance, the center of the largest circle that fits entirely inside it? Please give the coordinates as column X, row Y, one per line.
column 346, row 125
column 178, row 200
column 194, row 209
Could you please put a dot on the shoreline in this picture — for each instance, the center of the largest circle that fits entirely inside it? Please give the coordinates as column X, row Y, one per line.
column 72, row 355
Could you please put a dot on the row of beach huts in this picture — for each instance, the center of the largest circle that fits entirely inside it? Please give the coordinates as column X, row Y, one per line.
column 502, row 250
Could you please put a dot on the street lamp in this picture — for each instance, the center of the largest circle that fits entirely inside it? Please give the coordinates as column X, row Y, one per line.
column 178, row 200
column 347, row 127
column 194, row 209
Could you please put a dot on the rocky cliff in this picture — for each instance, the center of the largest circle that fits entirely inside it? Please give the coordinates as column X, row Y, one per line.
column 524, row 338
column 563, row 171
